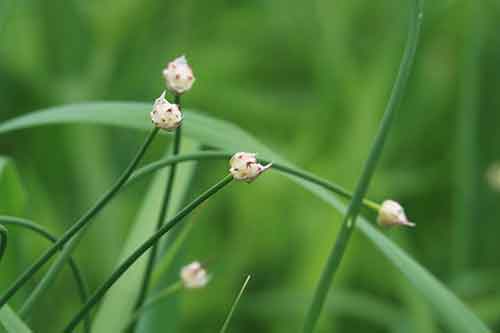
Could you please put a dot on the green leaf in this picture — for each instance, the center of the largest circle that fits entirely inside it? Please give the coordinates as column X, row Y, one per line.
column 11, row 191
column 452, row 312
column 290, row 305
column 12, row 202
column 134, row 115
column 11, row 322
column 120, row 299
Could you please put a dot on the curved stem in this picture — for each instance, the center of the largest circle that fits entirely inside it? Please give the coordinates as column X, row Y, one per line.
column 3, row 241
column 79, row 279
column 163, row 294
column 214, row 155
column 146, row 280
column 82, row 222
column 122, row 268
column 349, row 220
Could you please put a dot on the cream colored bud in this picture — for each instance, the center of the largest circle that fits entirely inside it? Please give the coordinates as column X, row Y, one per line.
column 194, row 275
column 166, row 115
column 179, row 76
column 391, row 213
column 244, row 166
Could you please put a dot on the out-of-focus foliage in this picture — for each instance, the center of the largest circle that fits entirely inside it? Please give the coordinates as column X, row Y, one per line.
column 310, row 79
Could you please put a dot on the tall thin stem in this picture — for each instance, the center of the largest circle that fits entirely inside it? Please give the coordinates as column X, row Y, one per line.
column 39, row 230
column 349, row 220
column 82, row 222
column 466, row 195
column 234, row 305
column 146, row 280
column 143, row 248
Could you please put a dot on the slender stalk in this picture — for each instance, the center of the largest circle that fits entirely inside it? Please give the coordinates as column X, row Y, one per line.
column 146, row 281
column 3, row 241
column 234, row 305
column 153, row 301
column 78, row 275
column 349, row 220
column 92, row 212
column 466, row 165
column 142, row 249
column 211, row 155
column 51, row 274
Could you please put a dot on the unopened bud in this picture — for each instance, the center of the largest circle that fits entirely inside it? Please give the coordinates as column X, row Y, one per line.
column 244, row 166
column 194, row 275
column 179, row 76
column 391, row 213
column 166, row 115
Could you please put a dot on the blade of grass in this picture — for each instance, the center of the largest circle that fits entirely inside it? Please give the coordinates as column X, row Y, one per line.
column 450, row 309
column 11, row 188
column 283, row 305
column 11, row 321
column 142, row 249
column 81, row 284
column 349, row 220
column 234, row 305
column 466, row 169
column 81, row 223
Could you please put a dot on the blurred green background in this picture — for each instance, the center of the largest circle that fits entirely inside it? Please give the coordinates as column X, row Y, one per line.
column 310, row 80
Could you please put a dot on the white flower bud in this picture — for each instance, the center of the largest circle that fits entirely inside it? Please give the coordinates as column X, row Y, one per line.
column 165, row 115
column 244, row 166
column 391, row 213
column 194, row 275
column 178, row 76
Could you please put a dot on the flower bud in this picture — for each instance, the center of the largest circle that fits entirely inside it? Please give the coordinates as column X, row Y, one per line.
column 178, row 75
column 244, row 166
column 391, row 213
column 165, row 115
column 194, row 275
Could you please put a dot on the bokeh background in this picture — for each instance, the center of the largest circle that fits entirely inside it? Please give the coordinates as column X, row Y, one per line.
column 310, row 80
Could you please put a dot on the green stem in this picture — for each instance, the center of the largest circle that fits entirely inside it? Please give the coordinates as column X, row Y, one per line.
column 349, row 220
column 211, row 155
column 153, row 301
column 92, row 212
column 3, row 241
column 146, row 280
column 50, row 275
column 143, row 248
column 466, row 165
column 234, row 305
column 79, row 279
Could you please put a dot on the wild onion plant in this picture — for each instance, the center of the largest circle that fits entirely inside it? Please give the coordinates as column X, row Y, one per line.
column 169, row 117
